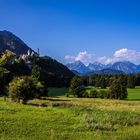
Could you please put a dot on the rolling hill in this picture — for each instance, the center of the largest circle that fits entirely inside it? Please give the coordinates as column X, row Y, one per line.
column 54, row 73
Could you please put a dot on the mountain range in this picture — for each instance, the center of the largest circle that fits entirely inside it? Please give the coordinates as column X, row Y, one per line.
column 96, row 67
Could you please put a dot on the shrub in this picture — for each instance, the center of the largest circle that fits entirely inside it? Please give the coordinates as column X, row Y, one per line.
column 93, row 94
column 85, row 94
column 103, row 94
column 25, row 88
column 107, row 94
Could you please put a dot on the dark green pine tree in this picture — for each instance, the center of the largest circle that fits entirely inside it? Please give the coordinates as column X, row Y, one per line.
column 76, row 87
column 131, row 81
column 117, row 90
column 103, row 82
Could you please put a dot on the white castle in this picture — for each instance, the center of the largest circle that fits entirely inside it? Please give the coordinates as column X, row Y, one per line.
column 29, row 53
column 25, row 57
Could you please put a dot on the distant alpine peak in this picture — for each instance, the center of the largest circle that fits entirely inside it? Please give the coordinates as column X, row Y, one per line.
column 124, row 66
column 96, row 63
column 78, row 66
column 78, row 62
column 124, row 62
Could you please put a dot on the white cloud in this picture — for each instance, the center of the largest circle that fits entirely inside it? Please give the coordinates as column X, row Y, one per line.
column 83, row 56
column 70, row 58
column 105, row 60
column 102, row 59
column 123, row 54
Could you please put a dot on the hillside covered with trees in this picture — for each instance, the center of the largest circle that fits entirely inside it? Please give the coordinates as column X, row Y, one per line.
column 45, row 69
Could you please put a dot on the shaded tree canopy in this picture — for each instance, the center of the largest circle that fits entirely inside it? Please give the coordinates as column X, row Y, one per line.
column 76, row 87
column 25, row 88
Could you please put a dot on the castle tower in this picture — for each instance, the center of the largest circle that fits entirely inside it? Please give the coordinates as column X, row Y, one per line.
column 28, row 53
column 38, row 51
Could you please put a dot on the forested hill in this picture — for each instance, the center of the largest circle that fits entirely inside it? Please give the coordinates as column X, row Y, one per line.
column 9, row 41
column 54, row 73
column 47, row 70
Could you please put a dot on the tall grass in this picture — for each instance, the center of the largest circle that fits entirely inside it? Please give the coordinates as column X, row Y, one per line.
column 86, row 119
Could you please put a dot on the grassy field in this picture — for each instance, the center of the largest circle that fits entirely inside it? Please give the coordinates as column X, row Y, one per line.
column 134, row 94
column 72, row 119
column 64, row 118
column 57, row 92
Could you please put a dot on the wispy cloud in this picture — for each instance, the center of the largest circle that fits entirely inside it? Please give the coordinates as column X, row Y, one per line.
column 70, row 58
column 123, row 54
column 84, row 57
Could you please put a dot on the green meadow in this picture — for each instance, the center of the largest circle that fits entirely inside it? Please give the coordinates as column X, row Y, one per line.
column 70, row 119
column 57, row 91
column 61, row 118
column 134, row 94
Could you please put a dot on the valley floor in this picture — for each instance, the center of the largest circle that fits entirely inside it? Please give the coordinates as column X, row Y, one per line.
column 70, row 119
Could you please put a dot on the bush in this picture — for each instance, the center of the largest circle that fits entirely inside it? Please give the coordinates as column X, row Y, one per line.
column 107, row 94
column 103, row 94
column 93, row 94
column 25, row 88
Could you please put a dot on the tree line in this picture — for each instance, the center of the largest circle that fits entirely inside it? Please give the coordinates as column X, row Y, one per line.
column 103, row 81
column 116, row 86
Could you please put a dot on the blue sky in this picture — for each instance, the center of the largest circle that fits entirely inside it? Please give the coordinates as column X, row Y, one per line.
column 69, row 30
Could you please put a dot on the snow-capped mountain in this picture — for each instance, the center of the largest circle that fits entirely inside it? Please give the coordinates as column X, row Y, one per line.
column 124, row 66
column 78, row 66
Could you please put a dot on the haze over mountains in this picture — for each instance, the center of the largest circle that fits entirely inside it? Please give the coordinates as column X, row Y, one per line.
column 124, row 67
